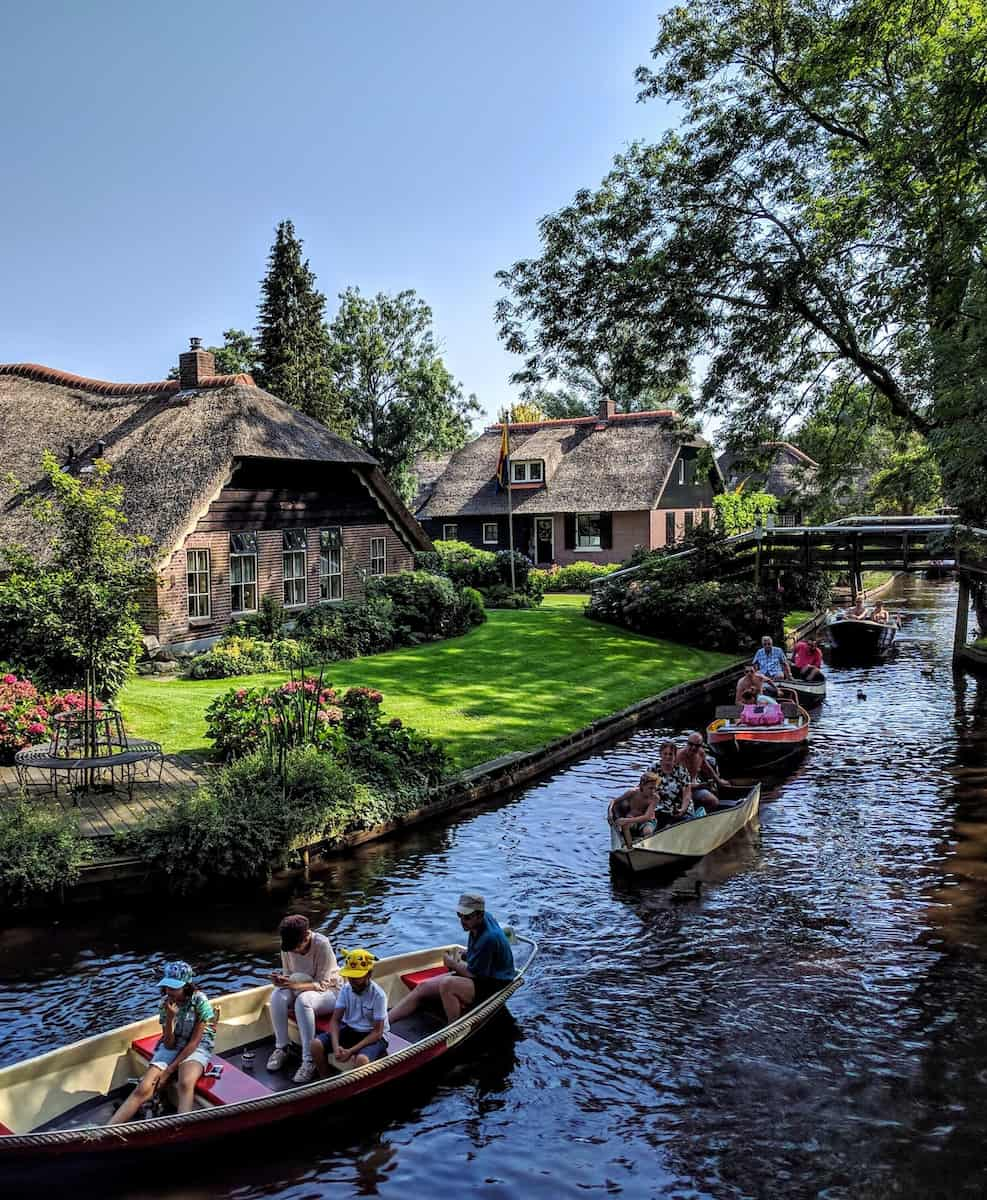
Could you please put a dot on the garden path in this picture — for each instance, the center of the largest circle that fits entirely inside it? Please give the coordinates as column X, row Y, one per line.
column 103, row 814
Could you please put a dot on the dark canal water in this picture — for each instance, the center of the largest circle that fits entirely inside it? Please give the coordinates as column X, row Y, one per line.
column 803, row 1016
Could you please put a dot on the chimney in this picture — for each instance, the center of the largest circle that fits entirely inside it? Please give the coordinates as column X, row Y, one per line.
column 194, row 365
column 608, row 410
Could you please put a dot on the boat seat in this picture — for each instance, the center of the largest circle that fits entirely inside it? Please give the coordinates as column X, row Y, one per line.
column 411, row 979
column 231, row 1087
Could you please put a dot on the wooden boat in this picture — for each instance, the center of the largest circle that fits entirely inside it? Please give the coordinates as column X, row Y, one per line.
column 686, row 840
column 56, row 1106
column 757, row 745
column 806, row 692
column 865, row 638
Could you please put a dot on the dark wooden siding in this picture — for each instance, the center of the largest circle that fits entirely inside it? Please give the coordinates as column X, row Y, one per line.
column 694, row 493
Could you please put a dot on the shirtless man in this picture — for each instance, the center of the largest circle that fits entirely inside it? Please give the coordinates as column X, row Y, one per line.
column 629, row 813
column 752, row 680
column 692, row 756
column 858, row 612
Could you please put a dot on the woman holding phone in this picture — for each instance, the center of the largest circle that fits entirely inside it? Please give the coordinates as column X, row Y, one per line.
column 309, row 980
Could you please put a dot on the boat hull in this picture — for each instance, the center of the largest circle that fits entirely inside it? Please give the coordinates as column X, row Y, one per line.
column 687, row 840
column 865, row 638
column 809, row 692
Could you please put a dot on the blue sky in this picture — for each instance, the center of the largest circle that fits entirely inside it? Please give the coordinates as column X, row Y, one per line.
column 150, row 150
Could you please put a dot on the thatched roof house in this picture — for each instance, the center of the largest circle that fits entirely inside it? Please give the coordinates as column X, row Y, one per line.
column 199, row 457
column 778, row 468
column 581, row 486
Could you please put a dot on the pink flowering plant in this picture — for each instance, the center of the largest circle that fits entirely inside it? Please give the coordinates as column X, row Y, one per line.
column 300, row 712
column 26, row 715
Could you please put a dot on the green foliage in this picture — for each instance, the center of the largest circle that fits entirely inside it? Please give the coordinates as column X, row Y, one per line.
column 909, row 482
column 235, row 655
column 821, row 205
column 576, row 577
column 425, row 607
column 488, row 571
column 236, row 356
column 347, row 629
column 738, row 511
column 240, row 721
column 292, row 339
column 71, row 615
column 245, row 820
column 41, row 851
column 388, row 377
column 268, row 623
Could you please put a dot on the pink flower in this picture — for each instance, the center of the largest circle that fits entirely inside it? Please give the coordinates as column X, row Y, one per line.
column 10, row 678
column 241, row 693
column 35, row 729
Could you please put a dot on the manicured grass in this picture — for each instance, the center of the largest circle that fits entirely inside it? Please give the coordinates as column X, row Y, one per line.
column 514, row 683
column 875, row 579
column 796, row 618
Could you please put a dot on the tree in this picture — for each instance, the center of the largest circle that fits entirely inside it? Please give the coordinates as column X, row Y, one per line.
column 820, row 210
column 738, row 511
column 236, row 356
column 524, row 412
column 292, row 340
column 388, row 376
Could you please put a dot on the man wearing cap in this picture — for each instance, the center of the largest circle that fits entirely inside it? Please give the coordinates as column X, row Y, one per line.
column 309, row 980
column 359, row 1026
column 489, row 966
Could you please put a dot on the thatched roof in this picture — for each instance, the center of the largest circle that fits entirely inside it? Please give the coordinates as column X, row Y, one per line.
column 778, row 468
column 591, row 465
column 426, row 469
column 171, row 450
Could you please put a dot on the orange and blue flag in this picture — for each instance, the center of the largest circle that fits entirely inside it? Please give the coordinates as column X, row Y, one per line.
column 503, row 461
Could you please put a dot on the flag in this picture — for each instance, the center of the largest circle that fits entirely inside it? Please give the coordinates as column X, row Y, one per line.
column 503, row 460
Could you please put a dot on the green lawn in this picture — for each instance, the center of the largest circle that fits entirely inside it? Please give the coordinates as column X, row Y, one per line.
column 796, row 618
column 514, row 683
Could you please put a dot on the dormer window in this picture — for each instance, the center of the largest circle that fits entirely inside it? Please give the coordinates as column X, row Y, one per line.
column 528, row 470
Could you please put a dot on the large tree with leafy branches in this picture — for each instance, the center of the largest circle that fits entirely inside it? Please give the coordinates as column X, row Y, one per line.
column 236, row 356
column 390, row 380
column 819, row 211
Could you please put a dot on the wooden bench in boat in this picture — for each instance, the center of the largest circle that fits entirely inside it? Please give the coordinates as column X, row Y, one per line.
column 231, row 1087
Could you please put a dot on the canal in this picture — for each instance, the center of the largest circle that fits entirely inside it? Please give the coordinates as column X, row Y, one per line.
column 805, row 1014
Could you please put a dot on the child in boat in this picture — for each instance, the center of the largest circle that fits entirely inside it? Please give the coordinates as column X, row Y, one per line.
column 359, row 1027
column 188, row 1032
column 629, row 813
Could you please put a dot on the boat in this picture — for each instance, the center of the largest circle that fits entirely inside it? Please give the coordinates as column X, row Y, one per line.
column 806, row 692
column 55, row 1106
column 686, row 840
column 865, row 638
column 735, row 742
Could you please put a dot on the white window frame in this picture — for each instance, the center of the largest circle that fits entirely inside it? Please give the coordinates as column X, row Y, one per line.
column 241, row 558
column 378, row 556
column 527, row 470
column 198, row 594
column 491, row 541
column 450, row 537
column 681, row 470
column 331, row 580
column 291, row 577
column 589, row 544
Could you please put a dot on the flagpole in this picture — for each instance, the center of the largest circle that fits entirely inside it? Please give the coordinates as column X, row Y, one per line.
column 510, row 514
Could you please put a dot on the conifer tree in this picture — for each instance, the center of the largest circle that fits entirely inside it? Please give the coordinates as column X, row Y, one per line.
column 292, row 339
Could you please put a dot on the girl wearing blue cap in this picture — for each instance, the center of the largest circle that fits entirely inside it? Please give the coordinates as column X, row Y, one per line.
column 188, row 1031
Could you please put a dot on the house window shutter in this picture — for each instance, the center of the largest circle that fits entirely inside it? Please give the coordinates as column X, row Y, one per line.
column 606, row 530
column 570, row 531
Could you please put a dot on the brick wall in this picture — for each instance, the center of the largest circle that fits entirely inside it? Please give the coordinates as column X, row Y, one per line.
column 173, row 626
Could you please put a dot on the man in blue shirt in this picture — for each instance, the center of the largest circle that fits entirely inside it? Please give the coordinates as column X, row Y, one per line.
column 770, row 660
column 488, row 966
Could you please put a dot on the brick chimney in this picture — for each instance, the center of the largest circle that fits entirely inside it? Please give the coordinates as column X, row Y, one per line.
column 194, row 365
column 608, row 409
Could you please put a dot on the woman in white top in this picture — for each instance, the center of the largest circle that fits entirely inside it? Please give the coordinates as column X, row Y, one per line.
column 309, row 978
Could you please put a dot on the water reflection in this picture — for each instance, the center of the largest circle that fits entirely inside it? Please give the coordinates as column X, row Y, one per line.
column 802, row 1014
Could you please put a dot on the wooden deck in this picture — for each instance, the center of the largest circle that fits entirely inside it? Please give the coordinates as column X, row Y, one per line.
column 105, row 813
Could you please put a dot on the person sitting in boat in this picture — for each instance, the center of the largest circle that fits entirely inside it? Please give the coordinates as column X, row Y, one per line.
column 629, row 812
column 674, row 788
column 807, row 660
column 859, row 611
column 188, row 1032
column 770, row 660
column 488, row 966
column 358, row 1029
column 753, row 680
column 309, row 979
column 879, row 613
column 704, row 778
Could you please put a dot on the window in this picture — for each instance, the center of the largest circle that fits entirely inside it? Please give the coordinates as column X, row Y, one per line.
column 331, row 564
column 669, row 528
column 690, row 520
column 450, row 533
column 704, row 518
column 681, row 470
column 527, row 470
column 197, row 568
column 588, row 531
column 243, row 572
column 491, row 534
column 294, row 556
column 378, row 556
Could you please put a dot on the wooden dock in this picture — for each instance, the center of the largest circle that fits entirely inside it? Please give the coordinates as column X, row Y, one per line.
column 103, row 814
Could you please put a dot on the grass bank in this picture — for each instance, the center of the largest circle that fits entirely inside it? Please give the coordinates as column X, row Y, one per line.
column 514, row 683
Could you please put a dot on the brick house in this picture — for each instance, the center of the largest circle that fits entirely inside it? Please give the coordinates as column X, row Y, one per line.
column 241, row 495
column 583, row 488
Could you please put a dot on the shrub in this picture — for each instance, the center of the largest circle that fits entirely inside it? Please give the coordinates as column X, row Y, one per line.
column 238, row 722
column 576, row 577
column 247, row 818
column 237, row 655
column 426, row 607
column 267, row 624
column 26, row 716
column 41, row 851
column 347, row 630
column 472, row 608
column 501, row 596
column 487, row 571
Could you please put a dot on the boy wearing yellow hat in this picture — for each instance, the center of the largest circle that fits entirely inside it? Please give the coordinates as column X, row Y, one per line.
column 359, row 1026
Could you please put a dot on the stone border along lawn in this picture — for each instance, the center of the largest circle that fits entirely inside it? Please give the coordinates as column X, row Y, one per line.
column 514, row 683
